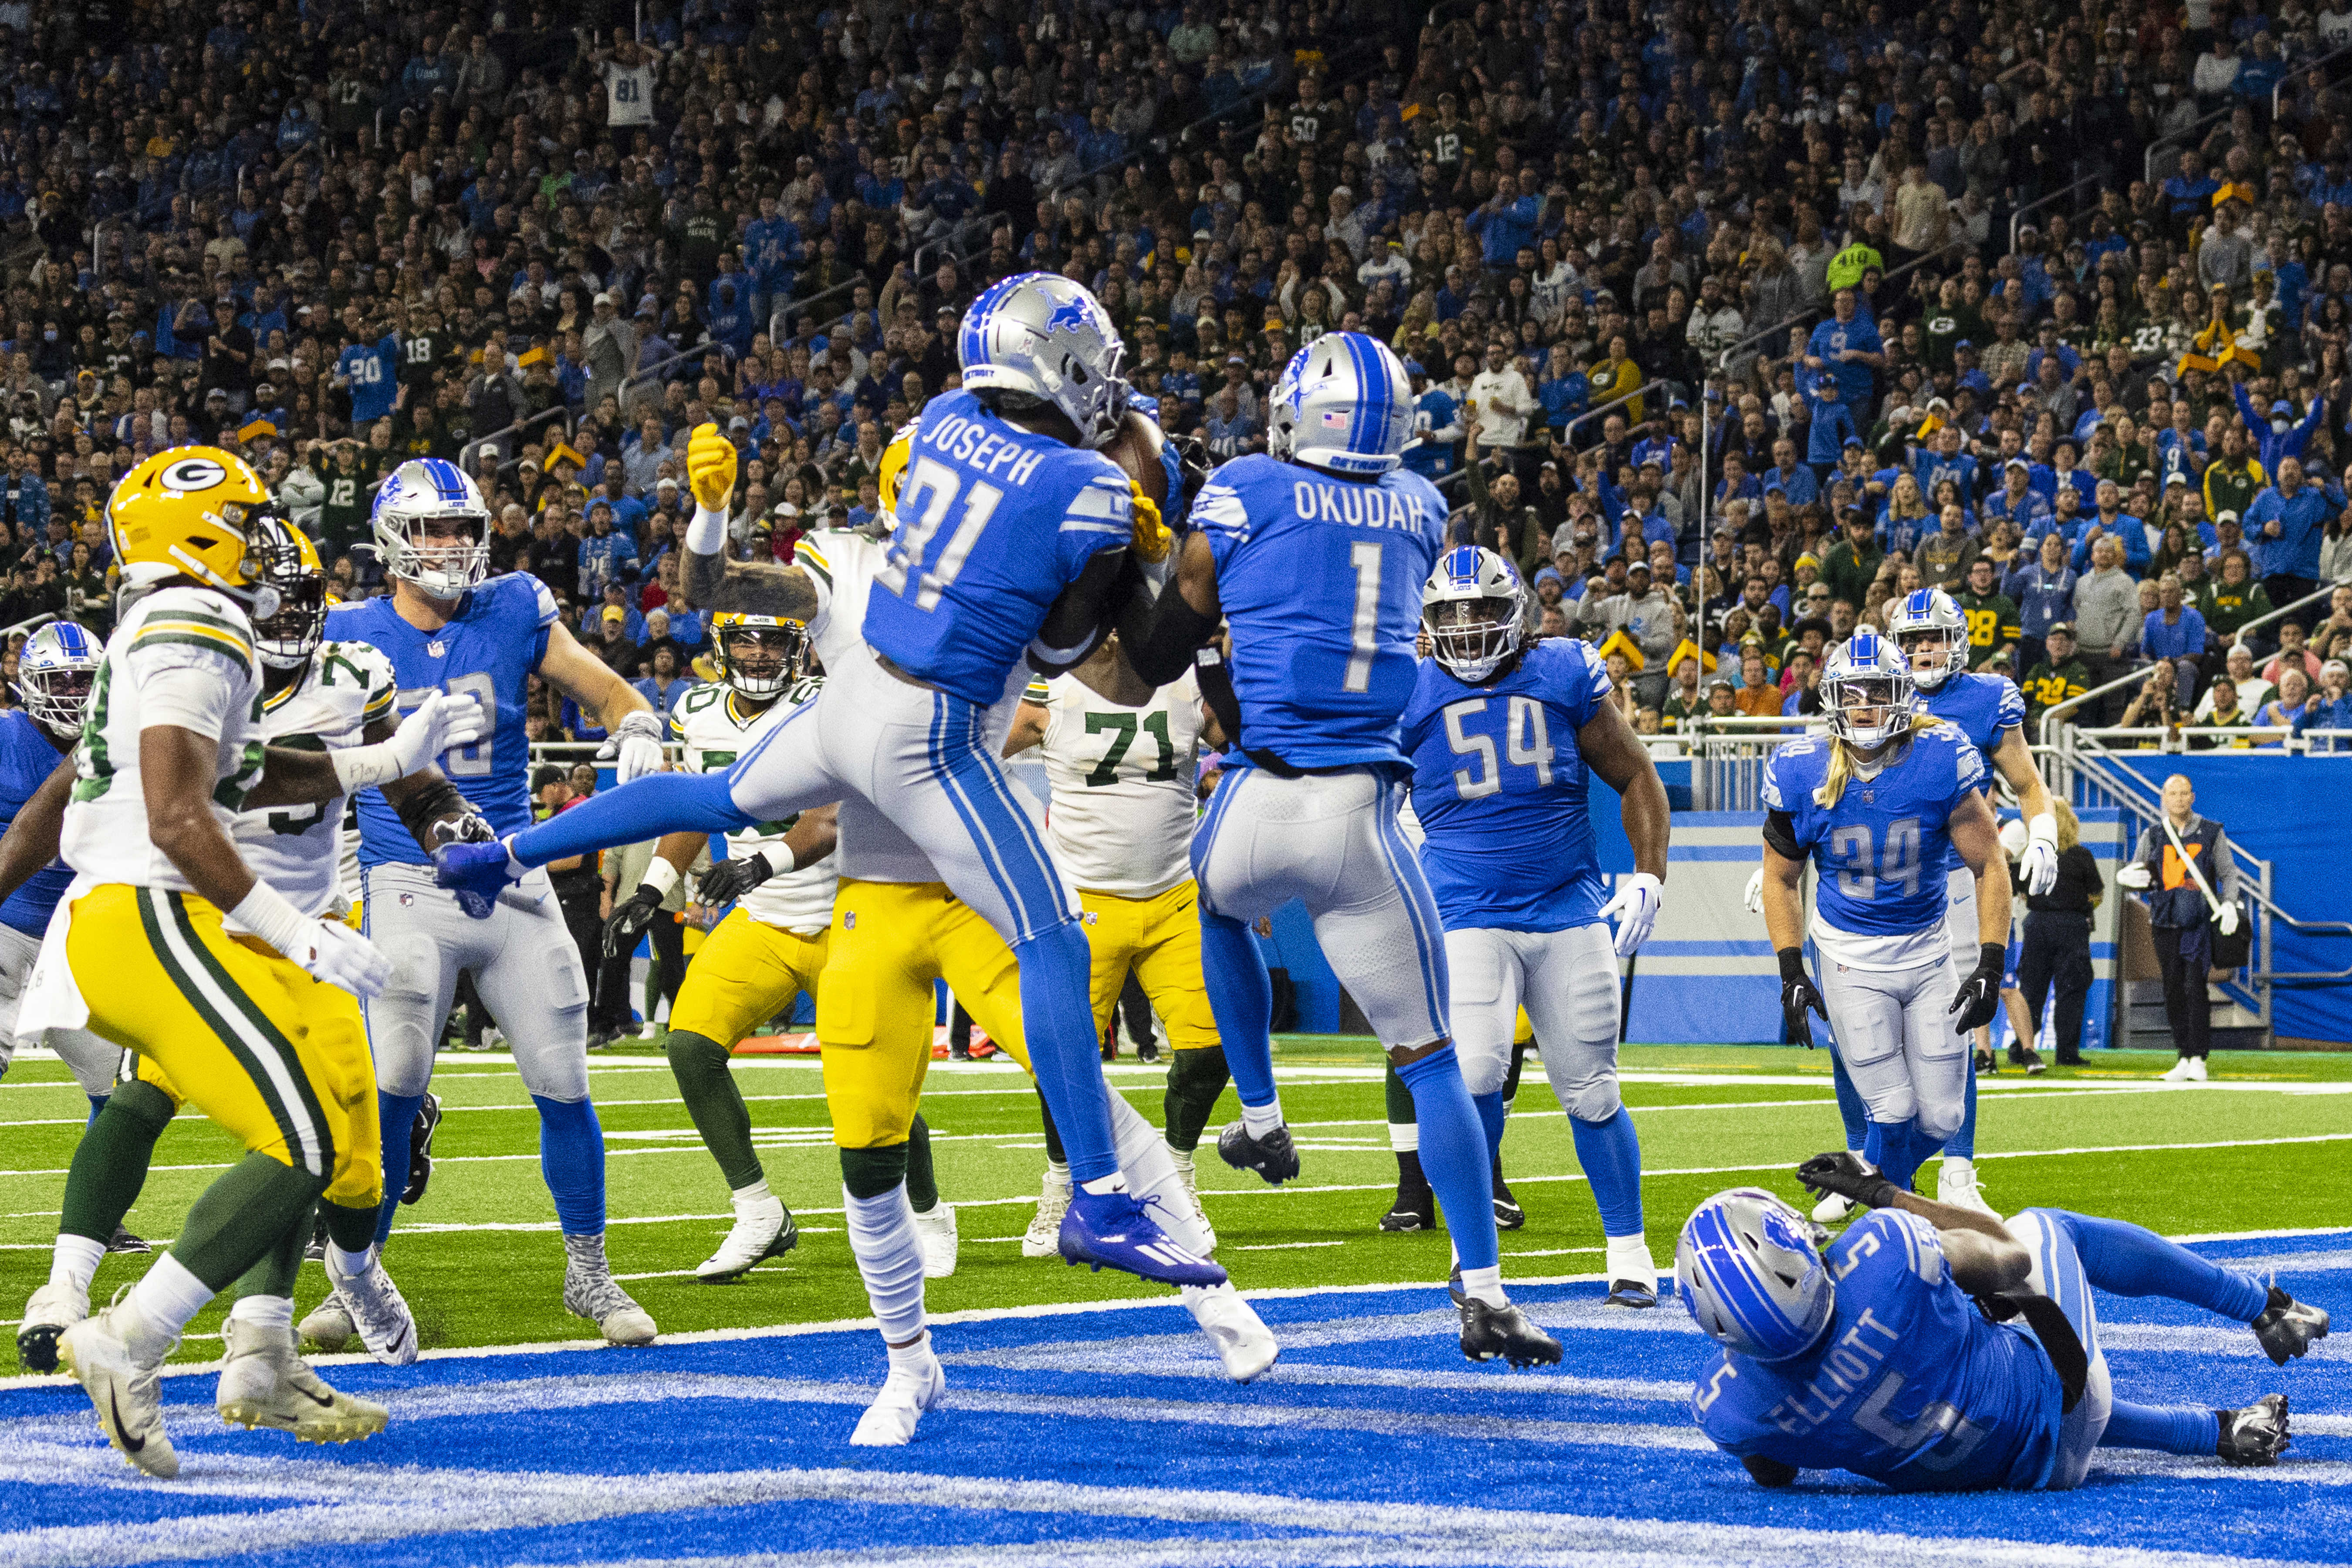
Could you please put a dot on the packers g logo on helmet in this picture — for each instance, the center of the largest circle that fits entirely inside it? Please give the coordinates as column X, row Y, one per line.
column 893, row 470
column 746, row 645
column 185, row 513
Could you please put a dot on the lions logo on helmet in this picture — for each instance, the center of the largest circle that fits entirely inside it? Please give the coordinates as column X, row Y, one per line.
column 283, row 558
column 53, row 675
column 759, row 656
column 1475, row 610
column 1749, row 1268
column 1343, row 404
column 184, row 514
column 1867, row 691
column 432, row 528
column 1933, row 635
column 1037, row 335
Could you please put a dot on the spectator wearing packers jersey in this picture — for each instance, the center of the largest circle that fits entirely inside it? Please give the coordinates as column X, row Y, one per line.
column 2060, row 676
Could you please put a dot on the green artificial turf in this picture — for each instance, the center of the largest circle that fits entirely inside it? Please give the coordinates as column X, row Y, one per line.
column 481, row 1263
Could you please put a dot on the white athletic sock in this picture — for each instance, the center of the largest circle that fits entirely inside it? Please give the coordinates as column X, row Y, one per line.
column 1404, row 1137
column 911, row 1359
column 1181, row 1158
column 1260, row 1120
column 1485, row 1285
column 1957, row 1165
column 1629, row 1257
column 166, row 1297
column 74, row 1262
column 342, row 1265
column 1114, row 1182
column 1058, row 1171
column 1150, row 1169
column 889, row 1260
column 264, row 1312
column 753, row 1196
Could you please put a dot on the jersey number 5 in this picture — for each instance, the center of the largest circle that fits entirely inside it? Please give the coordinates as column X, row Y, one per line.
column 936, row 485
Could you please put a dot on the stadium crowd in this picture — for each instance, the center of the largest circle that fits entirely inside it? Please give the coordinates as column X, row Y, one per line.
column 1728, row 323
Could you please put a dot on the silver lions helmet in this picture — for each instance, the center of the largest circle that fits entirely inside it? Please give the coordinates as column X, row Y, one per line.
column 53, row 675
column 1749, row 1268
column 431, row 526
column 1344, row 403
column 1867, row 691
column 1039, row 335
column 1475, row 610
column 1933, row 635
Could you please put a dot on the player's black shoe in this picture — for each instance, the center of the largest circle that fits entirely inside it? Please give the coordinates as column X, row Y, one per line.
column 1508, row 1215
column 1416, row 1209
column 1271, row 1156
column 1986, row 1064
column 124, row 1241
column 1147, row 1052
column 1631, row 1293
column 1504, row 1334
column 420, row 1147
column 2287, row 1327
column 2029, row 1058
column 316, row 1252
column 2256, row 1434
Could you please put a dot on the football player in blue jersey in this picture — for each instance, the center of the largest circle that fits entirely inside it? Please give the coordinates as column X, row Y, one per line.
column 1505, row 738
column 1316, row 555
column 1878, row 804
column 1012, row 539
column 449, row 626
column 1935, row 1347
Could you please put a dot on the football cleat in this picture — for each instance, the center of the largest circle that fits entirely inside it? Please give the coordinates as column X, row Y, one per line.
column 126, row 1395
column 890, row 1421
column 2187, row 1069
column 2256, row 1434
column 762, row 1230
column 124, row 1242
column 1043, row 1236
column 420, row 1148
column 1987, row 1064
column 1243, row 1343
column 2029, row 1058
column 1111, row 1230
column 1272, row 1156
column 1147, row 1052
column 264, row 1383
column 1631, row 1293
column 1504, row 1334
column 331, row 1324
column 2287, row 1327
column 1957, row 1184
column 53, row 1310
column 1414, row 1210
column 595, row 1295
column 379, row 1313
column 1833, row 1209
column 937, row 1233
column 1508, row 1215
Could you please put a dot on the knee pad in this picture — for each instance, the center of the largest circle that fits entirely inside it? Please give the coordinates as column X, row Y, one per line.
column 1940, row 1122
column 1595, row 1099
column 1482, row 1071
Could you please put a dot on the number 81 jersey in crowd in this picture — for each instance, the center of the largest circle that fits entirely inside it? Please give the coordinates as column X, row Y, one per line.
column 298, row 849
column 718, row 726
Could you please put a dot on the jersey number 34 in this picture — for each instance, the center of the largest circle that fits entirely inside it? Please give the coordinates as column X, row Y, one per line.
column 1861, row 864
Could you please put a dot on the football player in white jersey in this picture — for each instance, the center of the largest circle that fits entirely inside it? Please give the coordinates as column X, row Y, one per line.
column 1119, row 757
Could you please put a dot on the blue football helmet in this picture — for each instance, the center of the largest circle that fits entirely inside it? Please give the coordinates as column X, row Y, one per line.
column 1040, row 335
column 431, row 526
column 54, row 672
column 1933, row 635
column 1343, row 404
column 1749, row 1268
column 1867, row 691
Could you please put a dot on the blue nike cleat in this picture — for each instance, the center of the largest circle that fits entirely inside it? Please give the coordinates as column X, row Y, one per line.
column 1111, row 1230
column 477, row 873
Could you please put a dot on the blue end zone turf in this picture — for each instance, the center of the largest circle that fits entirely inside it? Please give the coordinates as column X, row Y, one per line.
column 1110, row 1437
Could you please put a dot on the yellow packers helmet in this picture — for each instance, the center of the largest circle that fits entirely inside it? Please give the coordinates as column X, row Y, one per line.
column 185, row 513
column 279, row 556
column 759, row 656
column 893, row 471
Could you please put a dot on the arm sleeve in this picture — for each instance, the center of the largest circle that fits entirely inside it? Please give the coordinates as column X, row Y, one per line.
column 658, row 804
column 2225, row 864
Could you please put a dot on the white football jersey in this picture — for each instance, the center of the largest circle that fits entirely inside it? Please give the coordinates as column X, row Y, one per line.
column 717, row 727
column 298, row 849
column 106, row 837
column 1122, row 779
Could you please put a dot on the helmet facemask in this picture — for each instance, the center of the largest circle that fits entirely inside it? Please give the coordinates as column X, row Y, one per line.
column 290, row 609
column 762, row 660
column 1472, row 637
column 1934, row 654
column 1867, row 708
column 444, row 553
column 54, row 685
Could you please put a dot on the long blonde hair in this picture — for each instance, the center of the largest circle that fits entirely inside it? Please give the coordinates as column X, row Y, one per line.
column 1841, row 763
column 2070, row 831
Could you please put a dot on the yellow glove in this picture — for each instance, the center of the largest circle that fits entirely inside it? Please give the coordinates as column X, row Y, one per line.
column 711, row 466
column 1152, row 536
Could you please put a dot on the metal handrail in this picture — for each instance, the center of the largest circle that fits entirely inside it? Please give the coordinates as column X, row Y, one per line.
column 1723, row 360
column 2197, row 128
column 2288, row 75
column 2017, row 218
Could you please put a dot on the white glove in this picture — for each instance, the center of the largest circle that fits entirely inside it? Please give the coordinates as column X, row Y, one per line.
column 341, row 956
column 442, row 721
column 1635, row 906
column 2134, row 877
column 2228, row 920
column 637, row 745
column 2040, row 862
column 1754, row 896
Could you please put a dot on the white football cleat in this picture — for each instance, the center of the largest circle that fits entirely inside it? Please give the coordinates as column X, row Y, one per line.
column 1044, row 1237
column 126, row 1393
column 763, row 1228
column 890, row 1421
column 595, row 1295
column 1243, row 1343
column 264, row 1383
column 378, row 1311
column 53, row 1310
column 1833, row 1209
column 2187, row 1069
column 1185, row 1177
column 1956, row 1184
column 937, row 1232
column 329, row 1324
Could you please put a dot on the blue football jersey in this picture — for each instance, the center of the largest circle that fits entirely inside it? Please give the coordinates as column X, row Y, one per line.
column 993, row 523
column 489, row 649
column 1911, row 1385
column 1321, row 579
column 1981, row 706
column 373, row 382
column 26, row 760
column 1500, row 788
column 1882, row 849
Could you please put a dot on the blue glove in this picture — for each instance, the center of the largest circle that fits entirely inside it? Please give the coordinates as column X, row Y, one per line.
column 477, row 873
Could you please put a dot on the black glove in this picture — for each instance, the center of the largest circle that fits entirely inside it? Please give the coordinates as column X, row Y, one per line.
column 1798, row 997
column 1845, row 1174
column 1979, row 997
column 732, row 878
column 630, row 918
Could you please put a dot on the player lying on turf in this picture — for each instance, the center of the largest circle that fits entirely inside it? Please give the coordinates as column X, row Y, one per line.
column 1935, row 1347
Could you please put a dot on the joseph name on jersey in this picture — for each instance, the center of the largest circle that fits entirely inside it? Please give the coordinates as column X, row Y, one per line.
column 1500, row 790
column 1123, row 809
column 717, row 727
column 487, row 650
column 171, row 632
column 298, row 849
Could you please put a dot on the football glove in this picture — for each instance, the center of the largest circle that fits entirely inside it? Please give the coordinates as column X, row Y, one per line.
column 341, row 956
column 730, row 879
column 1979, row 994
column 2040, row 862
column 711, row 467
column 2135, row 877
column 1843, row 1174
column 1636, row 905
column 1754, row 895
column 1149, row 537
column 630, row 918
column 1798, row 997
column 477, row 873
column 635, row 748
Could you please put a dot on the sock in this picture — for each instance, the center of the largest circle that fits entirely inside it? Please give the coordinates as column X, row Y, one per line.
column 251, row 1209
column 74, row 1260
column 2125, row 1260
column 715, row 1104
column 1195, row 1079
column 913, row 1360
column 2164, row 1428
column 756, row 1195
column 1240, row 995
column 1059, row 1024
column 1404, row 1137
column 1058, row 1172
column 1964, row 1142
column 1490, row 1121
column 1454, row 1150
column 1628, row 1258
column 1055, row 1153
column 96, row 1104
column 1485, row 1284
column 1411, row 1182
column 889, row 1260
column 395, row 1113
column 571, row 1163
column 1150, row 1171
column 1261, row 1119
column 109, row 1165
column 273, row 1275
column 345, row 1263
column 1889, row 1146
column 1611, row 1153
column 354, row 1229
column 264, row 1312
column 587, row 1252
column 922, row 1178
column 1850, row 1110
column 167, row 1296
column 1400, row 1105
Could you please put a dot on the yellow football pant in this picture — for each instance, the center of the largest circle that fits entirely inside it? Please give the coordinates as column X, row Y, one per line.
column 1158, row 938
column 224, row 1024
column 743, row 974
column 888, row 941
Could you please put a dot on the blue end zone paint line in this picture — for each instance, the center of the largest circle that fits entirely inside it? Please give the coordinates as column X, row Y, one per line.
column 1110, row 1436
